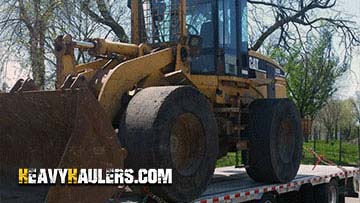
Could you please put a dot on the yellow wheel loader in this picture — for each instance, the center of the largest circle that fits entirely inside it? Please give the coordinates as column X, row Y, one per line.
column 184, row 93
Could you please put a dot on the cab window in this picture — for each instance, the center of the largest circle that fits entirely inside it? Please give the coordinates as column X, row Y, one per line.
column 227, row 35
column 200, row 22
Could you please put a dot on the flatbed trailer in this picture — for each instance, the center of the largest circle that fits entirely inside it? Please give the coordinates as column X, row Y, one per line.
column 233, row 185
column 322, row 184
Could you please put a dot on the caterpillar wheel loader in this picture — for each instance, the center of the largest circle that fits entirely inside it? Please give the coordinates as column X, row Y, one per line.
column 184, row 93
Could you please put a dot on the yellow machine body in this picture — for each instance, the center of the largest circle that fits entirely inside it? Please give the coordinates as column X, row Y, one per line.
column 100, row 87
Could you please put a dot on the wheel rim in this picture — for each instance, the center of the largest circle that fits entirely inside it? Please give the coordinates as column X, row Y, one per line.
column 187, row 143
column 286, row 140
column 332, row 194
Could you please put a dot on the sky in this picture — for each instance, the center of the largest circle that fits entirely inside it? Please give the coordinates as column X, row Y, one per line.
column 350, row 82
column 347, row 85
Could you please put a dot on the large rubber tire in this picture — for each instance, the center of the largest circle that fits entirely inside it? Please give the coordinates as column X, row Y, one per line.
column 172, row 127
column 327, row 193
column 275, row 135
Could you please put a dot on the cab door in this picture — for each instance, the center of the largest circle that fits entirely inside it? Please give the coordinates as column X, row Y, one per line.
column 232, row 38
column 221, row 26
column 200, row 22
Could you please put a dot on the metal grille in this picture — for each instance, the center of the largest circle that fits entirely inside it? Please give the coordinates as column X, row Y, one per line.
column 161, row 21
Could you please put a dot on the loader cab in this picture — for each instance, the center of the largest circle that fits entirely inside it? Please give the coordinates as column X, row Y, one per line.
column 218, row 27
column 222, row 28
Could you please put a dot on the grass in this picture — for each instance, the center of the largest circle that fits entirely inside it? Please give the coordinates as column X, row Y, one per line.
column 228, row 160
column 329, row 150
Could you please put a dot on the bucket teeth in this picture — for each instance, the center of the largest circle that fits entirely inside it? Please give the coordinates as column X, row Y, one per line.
column 24, row 85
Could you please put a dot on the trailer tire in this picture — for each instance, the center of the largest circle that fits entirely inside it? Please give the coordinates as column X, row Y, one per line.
column 307, row 193
column 172, row 127
column 327, row 193
column 341, row 198
column 275, row 135
column 267, row 198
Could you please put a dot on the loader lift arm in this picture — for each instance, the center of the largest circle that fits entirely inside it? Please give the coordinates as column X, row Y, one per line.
column 121, row 78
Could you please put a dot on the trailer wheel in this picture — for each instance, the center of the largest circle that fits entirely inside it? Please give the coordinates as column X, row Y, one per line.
column 327, row 193
column 307, row 193
column 341, row 198
column 275, row 135
column 172, row 127
column 268, row 198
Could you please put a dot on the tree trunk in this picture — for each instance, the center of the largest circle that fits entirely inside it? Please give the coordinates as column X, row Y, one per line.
column 37, row 56
column 329, row 132
column 35, row 64
column 336, row 132
column 327, row 136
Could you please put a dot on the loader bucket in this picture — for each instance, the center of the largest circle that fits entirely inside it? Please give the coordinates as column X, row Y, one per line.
column 55, row 129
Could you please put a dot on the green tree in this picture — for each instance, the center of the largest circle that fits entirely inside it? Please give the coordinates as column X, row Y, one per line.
column 356, row 106
column 329, row 117
column 347, row 122
column 337, row 116
column 312, row 70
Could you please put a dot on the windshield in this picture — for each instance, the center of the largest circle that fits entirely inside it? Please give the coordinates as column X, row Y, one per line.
column 161, row 20
column 198, row 12
column 200, row 22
